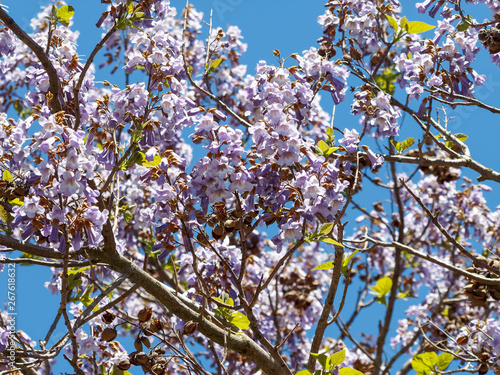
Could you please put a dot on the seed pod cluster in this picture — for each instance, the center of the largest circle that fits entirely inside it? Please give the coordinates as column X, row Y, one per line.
column 478, row 293
column 225, row 223
column 153, row 363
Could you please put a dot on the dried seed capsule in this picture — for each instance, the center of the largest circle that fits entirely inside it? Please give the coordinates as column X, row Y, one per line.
column 145, row 314
column 138, row 345
column 124, row 364
column 108, row 317
column 109, row 334
column 190, row 328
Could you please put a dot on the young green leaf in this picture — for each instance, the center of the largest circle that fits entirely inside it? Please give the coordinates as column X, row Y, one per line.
column 417, row 27
column 337, row 358
column 396, row 145
column 213, row 65
column 392, row 22
column 323, row 360
column 329, row 240
column 240, row 320
column 323, row 146
column 78, row 270
column 304, row 372
column 403, row 22
column 325, row 229
column 349, row 371
column 382, row 287
column 461, row 137
column 329, row 132
column 407, row 143
column 7, row 176
column 346, row 261
column 424, row 363
column 463, row 26
column 324, row 266
column 65, row 13
column 153, row 163
column 16, row 202
column 444, row 360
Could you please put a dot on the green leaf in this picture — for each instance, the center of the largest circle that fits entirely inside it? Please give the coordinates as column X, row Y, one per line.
column 349, row 371
column 402, row 146
column 324, row 266
column 86, row 298
column 4, row 215
column 323, row 146
column 75, row 271
column 65, row 13
column 461, row 137
column 392, row 22
column 382, row 287
column 396, row 145
column 417, row 27
column 403, row 22
column 16, row 202
column 407, row 143
column 126, row 211
column 424, row 363
column 130, row 7
column 213, row 65
column 7, row 176
column 116, row 371
column 337, row 358
column 346, row 261
column 322, row 359
column 329, row 132
column 463, row 26
column 149, row 164
column 240, row 320
column 444, row 360
column 325, row 229
column 304, row 372
column 329, row 240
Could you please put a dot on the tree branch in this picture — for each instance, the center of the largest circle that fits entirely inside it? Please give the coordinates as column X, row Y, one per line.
column 42, row 56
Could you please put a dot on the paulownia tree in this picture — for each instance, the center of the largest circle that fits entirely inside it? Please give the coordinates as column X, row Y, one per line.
column 236, row 260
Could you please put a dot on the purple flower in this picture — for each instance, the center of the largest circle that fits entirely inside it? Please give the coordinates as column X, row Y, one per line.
column 71, row 183
column 32, row 207
column 350, row 140
column 375, row 160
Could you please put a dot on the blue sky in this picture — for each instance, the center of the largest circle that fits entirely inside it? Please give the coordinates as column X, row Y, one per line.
column 288, row 25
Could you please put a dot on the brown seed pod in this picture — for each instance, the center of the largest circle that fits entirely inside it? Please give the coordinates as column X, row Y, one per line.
column 145, row 314
column 108, row 317
column 462, row 340
column 155, row 326
column 109, row 334
column 190, row 328
column 158, row 369
column 138, row 345
column 483, row 369
column 141, row 358
column 124, row 364
column 146, row 342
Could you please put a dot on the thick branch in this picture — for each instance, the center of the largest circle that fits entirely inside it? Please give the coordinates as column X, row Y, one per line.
column 323, row 320
column 189, row 311
column 32, row 249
